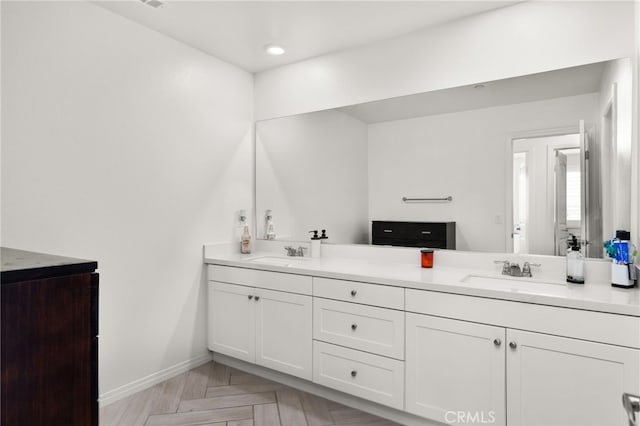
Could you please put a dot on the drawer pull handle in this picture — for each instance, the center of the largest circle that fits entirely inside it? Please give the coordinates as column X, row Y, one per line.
column 257, row 298
column 354, row 373
column 426, row 232
column 513, row 345
column 388, row 230
column 353, row 293
column 354, row 326
column 250, row 297
column 497, row 342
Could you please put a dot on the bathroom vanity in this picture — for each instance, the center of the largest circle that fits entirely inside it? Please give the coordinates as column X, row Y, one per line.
column 456, row 344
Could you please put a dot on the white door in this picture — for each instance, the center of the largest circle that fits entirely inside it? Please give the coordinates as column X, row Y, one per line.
column 455, row 370
column 521, row 160
column 560, row 381
column 283, row 332
column 561, row 230
column 232, row 320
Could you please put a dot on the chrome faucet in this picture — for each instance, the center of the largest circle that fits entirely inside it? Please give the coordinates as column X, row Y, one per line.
column 513, row 269
column 295, row 252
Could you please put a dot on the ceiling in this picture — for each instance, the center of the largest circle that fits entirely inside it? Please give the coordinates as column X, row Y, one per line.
column 237, row 31
column 529, row 88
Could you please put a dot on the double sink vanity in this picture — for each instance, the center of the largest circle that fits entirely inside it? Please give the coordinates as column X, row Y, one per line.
column 456, row 344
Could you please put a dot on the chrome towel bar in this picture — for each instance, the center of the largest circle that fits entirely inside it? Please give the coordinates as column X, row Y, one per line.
column 409, row 200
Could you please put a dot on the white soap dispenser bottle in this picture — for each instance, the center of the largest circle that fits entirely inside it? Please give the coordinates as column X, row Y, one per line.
column 315, row 244
column 270, row 232
column 575, row 262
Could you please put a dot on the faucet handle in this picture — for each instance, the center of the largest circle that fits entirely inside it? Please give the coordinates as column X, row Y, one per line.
column 506, row 266
column 526, row 268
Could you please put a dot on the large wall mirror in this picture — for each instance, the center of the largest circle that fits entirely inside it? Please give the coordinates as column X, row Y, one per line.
column 526, row 162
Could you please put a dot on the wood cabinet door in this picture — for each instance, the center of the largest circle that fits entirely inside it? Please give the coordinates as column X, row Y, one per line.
column 283, row 332
column 561, row 381
column 455, row 370
column 47, row 352
column 232, row 320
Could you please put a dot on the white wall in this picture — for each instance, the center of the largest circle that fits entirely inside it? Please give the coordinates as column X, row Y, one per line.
column 459, row 154
column 127, row 147
column 311, row 171
column 618, row 192
column 525, row 38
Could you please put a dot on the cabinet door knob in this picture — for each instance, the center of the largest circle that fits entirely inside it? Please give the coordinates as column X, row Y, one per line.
column 353, row 293
column 250, row 297
column 497, row 342
column 354, row 326
column 354, row 373
column 513, row 345
column 257, row 298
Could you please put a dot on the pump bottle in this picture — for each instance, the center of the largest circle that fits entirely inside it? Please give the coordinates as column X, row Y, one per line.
column 575, row 262
column 245, row 241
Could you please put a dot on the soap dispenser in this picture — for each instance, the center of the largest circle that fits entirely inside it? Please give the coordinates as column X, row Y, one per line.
column 270, row 232
column 315, row 244
column 245, row 241
column 575, row 262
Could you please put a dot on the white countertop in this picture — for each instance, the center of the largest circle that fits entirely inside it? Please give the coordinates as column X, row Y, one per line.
column 600, row 296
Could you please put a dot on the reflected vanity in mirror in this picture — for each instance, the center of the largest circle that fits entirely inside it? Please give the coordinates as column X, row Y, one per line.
column 527, row 161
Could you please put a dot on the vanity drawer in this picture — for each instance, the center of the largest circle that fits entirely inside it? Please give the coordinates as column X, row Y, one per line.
column 290, row 283
column 389, row 229
column 368, row 376
column 357, row 292
column 427, row 230
column 376, row 330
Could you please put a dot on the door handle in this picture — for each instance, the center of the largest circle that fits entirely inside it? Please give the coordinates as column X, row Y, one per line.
column 631, row 404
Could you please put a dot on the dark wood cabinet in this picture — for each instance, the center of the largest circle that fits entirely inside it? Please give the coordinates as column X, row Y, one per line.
column 49, row 352
column 414, row 234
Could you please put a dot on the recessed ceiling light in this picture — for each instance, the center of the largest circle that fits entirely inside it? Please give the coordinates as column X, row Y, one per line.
column 274, row 49
column 153, row 3
column 479, row 86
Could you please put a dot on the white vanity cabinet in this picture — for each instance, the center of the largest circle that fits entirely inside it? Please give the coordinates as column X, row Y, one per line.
column 232, row 320
column 259, row 325
column 359, row 348
column 455, row 367
column 429, row 355
column 558, row 380
column 462, row 372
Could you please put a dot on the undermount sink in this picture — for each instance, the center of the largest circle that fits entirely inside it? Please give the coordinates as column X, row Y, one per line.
column 505, row 279
column 286, row 261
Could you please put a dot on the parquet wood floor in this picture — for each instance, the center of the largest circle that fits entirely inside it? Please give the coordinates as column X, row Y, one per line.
column 217, row 395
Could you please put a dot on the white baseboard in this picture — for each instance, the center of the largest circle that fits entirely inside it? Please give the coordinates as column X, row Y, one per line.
column 152, row 379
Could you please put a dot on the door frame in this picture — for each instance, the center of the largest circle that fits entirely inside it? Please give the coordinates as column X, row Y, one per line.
column 508, row 171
